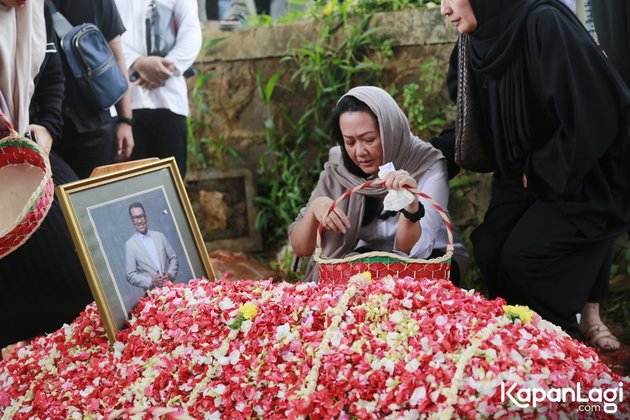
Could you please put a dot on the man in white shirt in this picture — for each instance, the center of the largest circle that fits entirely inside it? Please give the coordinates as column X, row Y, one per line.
column 149, row 257
column 162, row 40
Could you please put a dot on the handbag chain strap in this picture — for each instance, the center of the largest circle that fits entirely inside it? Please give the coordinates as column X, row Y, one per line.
column 463, row 88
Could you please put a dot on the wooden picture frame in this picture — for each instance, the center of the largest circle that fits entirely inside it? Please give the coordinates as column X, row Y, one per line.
column 98, row 212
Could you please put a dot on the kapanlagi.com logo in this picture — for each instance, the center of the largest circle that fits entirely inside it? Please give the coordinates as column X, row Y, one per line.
column 531, row 397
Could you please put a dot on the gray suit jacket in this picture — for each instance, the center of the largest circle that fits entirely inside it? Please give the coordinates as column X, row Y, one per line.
column 139, row 266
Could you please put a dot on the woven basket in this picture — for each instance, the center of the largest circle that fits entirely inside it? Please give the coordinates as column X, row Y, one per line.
column 26, row 190
column 379, row 263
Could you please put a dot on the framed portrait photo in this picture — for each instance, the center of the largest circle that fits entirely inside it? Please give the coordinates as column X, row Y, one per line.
column 133, row 230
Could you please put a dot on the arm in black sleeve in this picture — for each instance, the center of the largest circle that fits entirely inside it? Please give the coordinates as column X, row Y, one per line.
column 588, row 102
column 451, row 75
column 46, row 104
column 110, row 22
column 445, row 142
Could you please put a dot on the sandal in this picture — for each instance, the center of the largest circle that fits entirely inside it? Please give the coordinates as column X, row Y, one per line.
column 234, row 21
column 598, row 332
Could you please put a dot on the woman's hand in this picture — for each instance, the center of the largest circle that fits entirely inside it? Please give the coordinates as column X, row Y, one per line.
column 337, row 221
column 41, row 136
column 398, row 180
column 304, row 235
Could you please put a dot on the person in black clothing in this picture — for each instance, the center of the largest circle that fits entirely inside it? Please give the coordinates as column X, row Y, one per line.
column 561, row 193
column 43, row 284
column 46, row 122
column 612, row 24
column 89, row 138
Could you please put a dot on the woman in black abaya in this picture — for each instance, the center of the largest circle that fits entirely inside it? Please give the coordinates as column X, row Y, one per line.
column 558, row 117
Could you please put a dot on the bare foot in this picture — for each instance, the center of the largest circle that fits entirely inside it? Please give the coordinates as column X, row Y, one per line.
column 595, row 332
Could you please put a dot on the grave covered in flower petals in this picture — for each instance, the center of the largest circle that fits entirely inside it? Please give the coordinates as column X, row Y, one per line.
column 389, row 348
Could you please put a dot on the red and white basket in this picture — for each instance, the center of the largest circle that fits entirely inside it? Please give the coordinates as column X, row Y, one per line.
column 379, row 263
column 26, row 189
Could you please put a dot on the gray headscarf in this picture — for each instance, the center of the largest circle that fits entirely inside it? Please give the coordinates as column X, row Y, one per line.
column 402, row 148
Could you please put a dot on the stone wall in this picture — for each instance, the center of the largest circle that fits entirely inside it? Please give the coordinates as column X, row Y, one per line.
column 236, row 109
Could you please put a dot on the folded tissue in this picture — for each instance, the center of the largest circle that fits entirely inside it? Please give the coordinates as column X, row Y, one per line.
column 395, row 200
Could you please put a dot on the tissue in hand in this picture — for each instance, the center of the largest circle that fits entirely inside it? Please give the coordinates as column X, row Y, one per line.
column 395, row 200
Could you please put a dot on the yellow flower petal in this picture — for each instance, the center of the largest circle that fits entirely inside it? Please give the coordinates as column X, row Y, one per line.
column 517, row 311
column 248, row 310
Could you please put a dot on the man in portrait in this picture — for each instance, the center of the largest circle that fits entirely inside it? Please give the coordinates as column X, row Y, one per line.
column 149, row 257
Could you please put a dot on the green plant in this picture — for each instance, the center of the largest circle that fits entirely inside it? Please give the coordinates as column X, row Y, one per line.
column 300, row 10
column 197, row 157
column 616, row 307
column 273, row 198
column 420, row 101
column 222, row 155
column 203, row 150
column 296, row 11
column 343, row 54
column 616, row 311
column 621, row 256
column 371, row 6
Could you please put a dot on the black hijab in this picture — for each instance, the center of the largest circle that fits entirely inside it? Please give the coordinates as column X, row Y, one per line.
column 499, row 31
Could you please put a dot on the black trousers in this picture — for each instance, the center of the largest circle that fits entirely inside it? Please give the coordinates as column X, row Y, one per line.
column 160, row 133
column 42, row 284
column 85, row 151
column 530, row 254
column 212, row 9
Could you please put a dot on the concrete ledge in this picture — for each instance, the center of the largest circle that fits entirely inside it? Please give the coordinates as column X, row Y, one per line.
column 410, row 27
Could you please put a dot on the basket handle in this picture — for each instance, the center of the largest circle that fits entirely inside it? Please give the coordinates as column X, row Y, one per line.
column 379, row 182
column 6, row 128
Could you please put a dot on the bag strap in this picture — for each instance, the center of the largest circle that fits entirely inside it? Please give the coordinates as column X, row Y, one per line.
column 152, row 19
column 61, row 24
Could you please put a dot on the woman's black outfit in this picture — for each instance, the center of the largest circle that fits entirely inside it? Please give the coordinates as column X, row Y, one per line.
column 612, row 24
column 43, row 284
column 557, row 113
